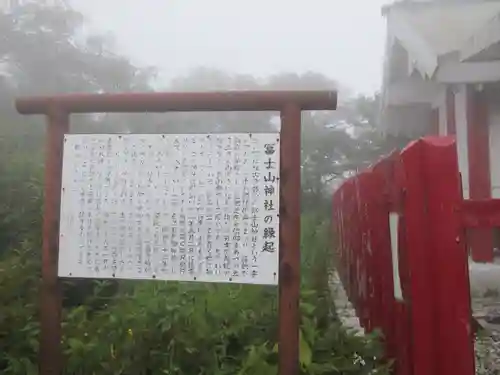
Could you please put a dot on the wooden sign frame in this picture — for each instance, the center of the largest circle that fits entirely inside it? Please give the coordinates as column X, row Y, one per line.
column 58, row 109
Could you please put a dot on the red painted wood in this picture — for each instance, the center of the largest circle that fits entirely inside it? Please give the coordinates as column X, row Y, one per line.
column 419, row 258
column 453, row 336
column 428, row 331
column 403, row 309
column 372, row 245
column 362, row 269
column 381, row 172
column 480, row 213
column 479, row 240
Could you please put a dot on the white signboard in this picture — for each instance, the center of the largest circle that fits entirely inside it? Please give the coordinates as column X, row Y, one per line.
column 199, row 207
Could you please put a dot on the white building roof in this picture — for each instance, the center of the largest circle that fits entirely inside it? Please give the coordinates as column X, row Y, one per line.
column 430, row 44
column 447, row 27
column 431, row 30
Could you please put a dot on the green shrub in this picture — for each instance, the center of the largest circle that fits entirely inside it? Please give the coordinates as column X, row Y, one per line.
column 21, row 197
column 182, row 328
column 144, row 328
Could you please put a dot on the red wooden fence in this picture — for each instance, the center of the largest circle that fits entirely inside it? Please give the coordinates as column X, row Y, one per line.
column 402, row 259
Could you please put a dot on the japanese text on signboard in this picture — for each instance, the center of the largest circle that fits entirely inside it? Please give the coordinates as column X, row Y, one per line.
column 202, row 207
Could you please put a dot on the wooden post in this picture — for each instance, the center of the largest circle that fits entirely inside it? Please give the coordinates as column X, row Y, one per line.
column 289, row 271
column 290, row 103
column 50, row 311
column 479, row 239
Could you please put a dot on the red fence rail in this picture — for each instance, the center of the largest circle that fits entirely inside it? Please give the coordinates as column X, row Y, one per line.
column 402, row 258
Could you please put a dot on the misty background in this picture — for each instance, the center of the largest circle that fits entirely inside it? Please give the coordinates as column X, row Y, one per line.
column 85, row 46
column 343, row 40
column 90, row 46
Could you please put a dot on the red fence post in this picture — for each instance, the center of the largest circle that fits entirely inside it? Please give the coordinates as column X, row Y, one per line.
column 453, row 335
column 356, row 253
column 419, row 255
column 426, row 325
column 401, row 299
column 362, row 266
column 371, row 305
column 384, row 177
column 381, row 253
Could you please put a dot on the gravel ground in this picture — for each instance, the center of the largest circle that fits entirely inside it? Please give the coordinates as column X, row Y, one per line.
column 485, row 310
column 487, row 313
column 344, row 308
column 485, row 292
column 488, row 355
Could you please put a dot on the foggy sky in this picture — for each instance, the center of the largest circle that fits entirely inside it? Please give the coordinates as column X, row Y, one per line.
column 343, row 39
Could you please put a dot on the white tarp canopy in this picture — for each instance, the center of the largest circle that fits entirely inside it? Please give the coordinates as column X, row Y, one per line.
column 431, row 43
